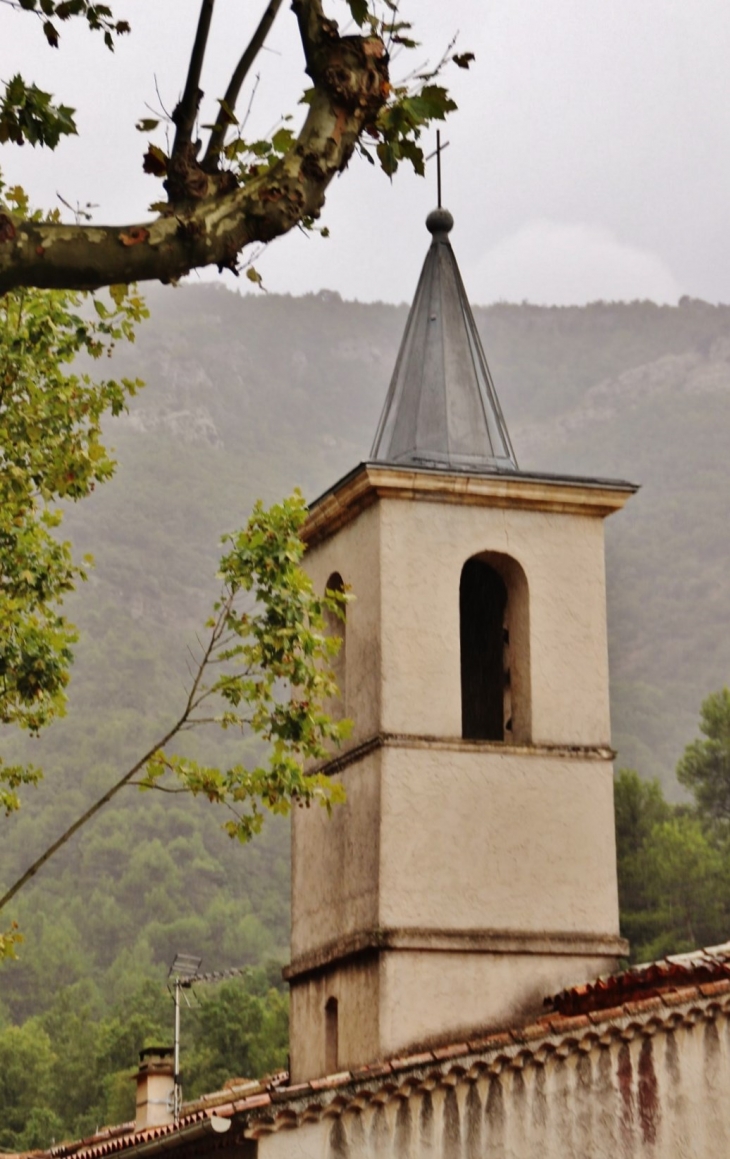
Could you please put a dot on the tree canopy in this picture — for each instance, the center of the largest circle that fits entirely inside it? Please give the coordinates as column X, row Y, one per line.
column 705, row 766
column 228, row 192
column 51, row 413
column 674, row 860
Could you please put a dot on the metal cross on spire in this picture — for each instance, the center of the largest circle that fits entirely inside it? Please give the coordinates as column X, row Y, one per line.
column 437, row 154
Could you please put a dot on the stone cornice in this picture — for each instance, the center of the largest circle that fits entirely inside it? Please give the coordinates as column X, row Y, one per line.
column 370, row 482
column 380, row 740
column 365, row 943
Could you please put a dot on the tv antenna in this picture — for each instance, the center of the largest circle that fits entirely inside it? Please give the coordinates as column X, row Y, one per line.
column 184, row 973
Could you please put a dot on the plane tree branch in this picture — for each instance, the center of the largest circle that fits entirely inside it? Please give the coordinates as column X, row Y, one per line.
column 209, row 217
column 187, row 110
column 228, row 105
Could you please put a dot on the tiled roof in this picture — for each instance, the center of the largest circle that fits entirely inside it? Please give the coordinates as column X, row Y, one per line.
column 237, row 1095
column 646, row 981
column 643, row 1000
column 554, row 1035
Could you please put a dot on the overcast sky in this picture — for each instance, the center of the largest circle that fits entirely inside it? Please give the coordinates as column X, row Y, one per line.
column 589, row 158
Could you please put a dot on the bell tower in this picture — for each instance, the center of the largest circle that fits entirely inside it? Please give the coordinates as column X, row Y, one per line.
column 472, row 869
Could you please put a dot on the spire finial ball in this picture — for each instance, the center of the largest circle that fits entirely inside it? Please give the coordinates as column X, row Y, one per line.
column 439, row 221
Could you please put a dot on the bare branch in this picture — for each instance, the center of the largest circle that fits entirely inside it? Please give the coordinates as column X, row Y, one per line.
column 179, row 726
column 251, row 99
column 223, row 120
column 87, row 816
column 187, row 110
column 156, row 787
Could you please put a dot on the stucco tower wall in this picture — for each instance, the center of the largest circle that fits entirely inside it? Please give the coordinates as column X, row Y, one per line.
column 456, row 839
column 463, row 879
column 403, row 560
column 444, row 897
column 424, row 547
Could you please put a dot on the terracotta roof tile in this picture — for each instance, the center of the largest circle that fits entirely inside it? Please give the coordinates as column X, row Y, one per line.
column 680, row 996
column 563, row 1025
column 331, row 1080
column 609, row 1015
column 643, row 1006
column 411, row 1060
column 712, row 989
column 287, row 1093
column 444, row 1052
column 649, row 980
column 374, row 1070
column 492, row 1041
column 530, row 1033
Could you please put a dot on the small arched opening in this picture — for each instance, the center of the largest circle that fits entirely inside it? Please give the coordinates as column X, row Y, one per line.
column 337, row 626
column 331, row 1036
column 495, row 642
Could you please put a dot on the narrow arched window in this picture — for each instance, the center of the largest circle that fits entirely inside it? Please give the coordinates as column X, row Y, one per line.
column 484, row 682
column 337, row 626
column 331, row 1036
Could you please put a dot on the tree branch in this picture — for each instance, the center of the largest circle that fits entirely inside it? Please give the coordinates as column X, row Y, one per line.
column 91, row 812
column 311, row 19
column 222, row 121
column 350, row 76
column 187, row 110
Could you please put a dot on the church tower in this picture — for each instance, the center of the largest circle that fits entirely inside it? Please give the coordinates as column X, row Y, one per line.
column 472, row 870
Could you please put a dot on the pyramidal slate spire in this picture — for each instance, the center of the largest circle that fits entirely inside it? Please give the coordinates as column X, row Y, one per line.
column 442, row 410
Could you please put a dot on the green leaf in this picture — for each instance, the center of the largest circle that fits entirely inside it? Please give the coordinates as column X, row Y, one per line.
column 283, row 140
column 389, row 156
column 27, row 114
column 51, row 33
column 359, row 11
column 146, row 125
column 118, row 294
column 155, row 161
column 228, row 112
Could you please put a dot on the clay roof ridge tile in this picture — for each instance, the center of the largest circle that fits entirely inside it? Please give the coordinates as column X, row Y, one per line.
column 332, row 1080
column 713, row 989
column 222, row 1111
column 443, row 1053
column 412, row 1060
column 293, row 1092
column 260, row 1100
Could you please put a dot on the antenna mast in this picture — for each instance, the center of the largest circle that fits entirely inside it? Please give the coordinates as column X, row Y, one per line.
column 184, row 973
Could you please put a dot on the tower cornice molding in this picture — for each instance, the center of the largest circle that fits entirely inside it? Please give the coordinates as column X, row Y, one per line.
column 351, row 756
column 366, row 942
column 369, row 483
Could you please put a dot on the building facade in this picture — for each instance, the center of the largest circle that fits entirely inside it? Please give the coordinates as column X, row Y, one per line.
column 475, row 854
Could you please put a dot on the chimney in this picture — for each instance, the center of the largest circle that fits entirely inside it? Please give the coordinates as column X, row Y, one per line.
column 155, row 1087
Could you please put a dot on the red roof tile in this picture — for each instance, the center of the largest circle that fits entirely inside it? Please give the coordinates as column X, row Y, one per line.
column 651, row 980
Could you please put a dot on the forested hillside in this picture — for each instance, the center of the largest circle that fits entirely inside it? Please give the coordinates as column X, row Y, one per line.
column 248, row 397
